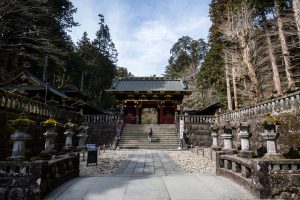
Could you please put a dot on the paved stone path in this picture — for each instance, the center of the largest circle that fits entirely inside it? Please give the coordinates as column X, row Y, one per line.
column 149, row 175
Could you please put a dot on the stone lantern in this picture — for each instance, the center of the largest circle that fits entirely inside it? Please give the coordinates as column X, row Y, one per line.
column 50, row 134
column 20, row 135
column 270, row 135
column 70, row 131
column 244, row 135
column 83, row 134
column 214, row 134
column 227, row 137
column 82, row 137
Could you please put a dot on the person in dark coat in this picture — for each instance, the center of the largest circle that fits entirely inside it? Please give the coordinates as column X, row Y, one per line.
column 150, row 135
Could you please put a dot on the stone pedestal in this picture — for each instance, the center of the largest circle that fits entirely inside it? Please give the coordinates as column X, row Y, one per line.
column 270, row 135
column 245, row 142
column 19, row 137
column 227, row 137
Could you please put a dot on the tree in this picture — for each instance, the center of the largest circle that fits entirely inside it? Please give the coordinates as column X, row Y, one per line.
column 97, row 71
column 104, row 43
column 284, row 47
column 186, row 54
column 122, row 72
column 239, row 27
column 276, row 77
column 227, row 77
column 32, row 31
column 296, row 8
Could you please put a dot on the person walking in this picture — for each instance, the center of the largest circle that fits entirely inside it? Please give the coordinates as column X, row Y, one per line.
column 149, row 135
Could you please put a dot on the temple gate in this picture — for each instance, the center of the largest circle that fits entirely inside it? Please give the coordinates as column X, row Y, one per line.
column 136, row 93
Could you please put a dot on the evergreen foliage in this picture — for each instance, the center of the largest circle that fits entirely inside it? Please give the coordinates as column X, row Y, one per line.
column 34, row 36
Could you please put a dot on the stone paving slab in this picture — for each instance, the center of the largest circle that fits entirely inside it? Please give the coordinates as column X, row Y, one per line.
column 149, row 175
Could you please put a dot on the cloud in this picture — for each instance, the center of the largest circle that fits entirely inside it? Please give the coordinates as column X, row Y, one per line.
column 144, row 31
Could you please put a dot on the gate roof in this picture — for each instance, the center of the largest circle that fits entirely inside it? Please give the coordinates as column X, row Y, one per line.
column 148, row 84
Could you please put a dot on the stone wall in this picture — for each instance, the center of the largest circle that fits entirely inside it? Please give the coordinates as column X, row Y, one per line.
column 288, row 133
column 198, row 135
column 101, row 133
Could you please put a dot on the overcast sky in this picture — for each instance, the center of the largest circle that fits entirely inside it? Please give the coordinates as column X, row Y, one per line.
column 143, row 30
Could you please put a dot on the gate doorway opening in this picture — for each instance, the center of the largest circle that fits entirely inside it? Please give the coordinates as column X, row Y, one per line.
column 149, row 116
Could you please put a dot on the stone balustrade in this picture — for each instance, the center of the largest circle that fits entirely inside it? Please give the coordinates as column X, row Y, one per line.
column 14, row 167
column 290, row 102
column 264, row 178
column 284, row 166
column 196, row 119
column 100, row 118
column 22, row 104
column 61, row 169
column 32, row 180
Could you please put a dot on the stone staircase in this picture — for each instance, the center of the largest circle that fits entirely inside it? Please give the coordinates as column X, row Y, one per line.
column 134, row 136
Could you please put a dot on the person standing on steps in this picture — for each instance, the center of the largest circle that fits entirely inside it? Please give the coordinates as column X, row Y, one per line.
column 149, row 135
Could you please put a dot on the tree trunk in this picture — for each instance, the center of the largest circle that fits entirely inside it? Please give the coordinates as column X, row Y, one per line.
column 296, row 8
column 45, row 68
column 251, row 70
column 235, row 94
column 285, row 49
column 229, row 98
column 82, row 79
column 276, row 78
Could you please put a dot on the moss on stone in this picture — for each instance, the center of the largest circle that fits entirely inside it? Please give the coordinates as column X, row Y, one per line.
column 51, row 122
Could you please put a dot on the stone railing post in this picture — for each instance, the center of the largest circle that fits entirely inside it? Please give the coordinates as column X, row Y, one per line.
column 244, row 135
column 227, row 137
column 270, row 135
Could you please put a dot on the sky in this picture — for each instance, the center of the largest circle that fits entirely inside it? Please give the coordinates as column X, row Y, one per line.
column 143, row 31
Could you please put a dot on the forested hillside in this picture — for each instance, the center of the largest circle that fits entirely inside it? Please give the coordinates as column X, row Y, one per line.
column 259, row 44
column 253, row 52
column 34, row 37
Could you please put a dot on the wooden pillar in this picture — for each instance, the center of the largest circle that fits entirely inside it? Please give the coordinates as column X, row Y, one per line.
column 161, row 114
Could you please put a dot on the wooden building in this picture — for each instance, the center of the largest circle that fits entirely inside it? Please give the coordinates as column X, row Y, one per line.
column 136, row 93
column 70, row 98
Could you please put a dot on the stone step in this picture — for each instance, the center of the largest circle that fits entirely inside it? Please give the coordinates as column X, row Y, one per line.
column 134, row 136
column 145, row 136
column 171, row 147
column 145, row 140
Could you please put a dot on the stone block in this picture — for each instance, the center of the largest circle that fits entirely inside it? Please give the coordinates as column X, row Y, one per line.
column 16, row 193
column 276, row 167
column 228, row 164
column 285, row 167
column 3, row 193
column 236, row 167
column 246, row 172
column 294, row 167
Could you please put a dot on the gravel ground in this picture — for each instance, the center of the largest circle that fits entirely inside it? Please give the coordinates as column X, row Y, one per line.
column 108, row 162
column 193, row 163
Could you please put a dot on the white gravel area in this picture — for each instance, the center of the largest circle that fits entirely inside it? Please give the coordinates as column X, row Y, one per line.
column 108, row 162
column 193, row 163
